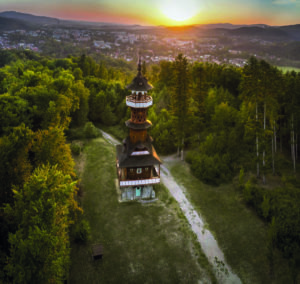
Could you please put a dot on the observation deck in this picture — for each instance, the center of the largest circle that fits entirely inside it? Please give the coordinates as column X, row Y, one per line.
column 155, row 179
column 139, row 182
column 139, row 101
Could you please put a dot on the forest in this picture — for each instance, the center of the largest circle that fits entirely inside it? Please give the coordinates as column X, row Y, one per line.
column 228, row 123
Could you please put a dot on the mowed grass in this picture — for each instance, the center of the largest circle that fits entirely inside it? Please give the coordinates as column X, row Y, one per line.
column 240, row 233
column 143, row 243
column 288, row 69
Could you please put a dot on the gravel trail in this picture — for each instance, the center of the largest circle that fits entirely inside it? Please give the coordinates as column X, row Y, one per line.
column 109, row 138
column 207, row 241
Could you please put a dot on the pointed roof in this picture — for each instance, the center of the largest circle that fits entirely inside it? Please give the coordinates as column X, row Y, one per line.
column 125, row 158
column 139, row 83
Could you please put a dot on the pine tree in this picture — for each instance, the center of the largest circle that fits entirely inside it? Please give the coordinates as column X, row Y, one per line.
column 180, row 99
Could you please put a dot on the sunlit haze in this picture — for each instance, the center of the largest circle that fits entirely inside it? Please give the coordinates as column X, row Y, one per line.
column 164, row 12
column 180, row 10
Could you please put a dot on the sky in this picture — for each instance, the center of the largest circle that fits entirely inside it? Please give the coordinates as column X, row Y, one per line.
column 164, row 12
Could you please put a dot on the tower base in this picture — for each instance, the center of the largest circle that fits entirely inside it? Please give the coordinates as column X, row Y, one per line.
column 136, row 193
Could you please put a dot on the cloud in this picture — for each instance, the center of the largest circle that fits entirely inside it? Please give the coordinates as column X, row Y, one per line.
column 285, row 2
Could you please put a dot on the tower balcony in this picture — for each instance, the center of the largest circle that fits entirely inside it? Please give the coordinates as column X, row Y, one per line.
column 125, row 181
column 140, row 182
column 139, row 101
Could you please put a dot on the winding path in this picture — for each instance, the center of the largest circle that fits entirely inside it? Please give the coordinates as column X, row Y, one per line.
column 207, row 241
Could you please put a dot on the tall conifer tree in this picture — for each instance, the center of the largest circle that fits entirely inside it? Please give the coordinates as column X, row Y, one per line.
column 180, row 98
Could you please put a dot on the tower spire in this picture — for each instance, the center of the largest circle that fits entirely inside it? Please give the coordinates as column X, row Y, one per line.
column 139, row 64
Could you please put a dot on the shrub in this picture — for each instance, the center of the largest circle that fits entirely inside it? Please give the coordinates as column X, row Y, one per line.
column 254, row 197
column 210, row 169
column 280, row 208
column 90, row 131
column 82, row 231
column 290, row 180
column 75, row 133
column 75, row 148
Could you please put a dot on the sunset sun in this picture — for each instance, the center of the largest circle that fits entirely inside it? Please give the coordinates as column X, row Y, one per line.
column 180, row 10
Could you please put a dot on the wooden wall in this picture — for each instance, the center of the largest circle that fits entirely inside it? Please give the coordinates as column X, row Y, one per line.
column 133, row 175
column 137, row 136
column 138, row 115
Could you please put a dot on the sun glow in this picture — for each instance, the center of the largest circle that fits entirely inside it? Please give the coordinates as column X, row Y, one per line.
column 180, row 10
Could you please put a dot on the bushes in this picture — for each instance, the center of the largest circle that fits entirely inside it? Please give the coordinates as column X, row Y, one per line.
column 254, row 196
column 74, row 133
column 75, row 148
column 280, row 208
column 266, row 202
column 90, row 131
column 82, row 231
column 211, row 169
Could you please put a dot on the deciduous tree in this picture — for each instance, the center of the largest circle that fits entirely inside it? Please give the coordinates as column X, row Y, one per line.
column 40, row 247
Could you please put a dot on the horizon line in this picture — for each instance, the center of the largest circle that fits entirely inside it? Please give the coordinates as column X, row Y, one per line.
column 143, row 25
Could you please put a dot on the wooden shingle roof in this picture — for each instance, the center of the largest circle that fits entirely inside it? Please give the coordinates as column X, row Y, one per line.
column 139, row 83
column 126, row 160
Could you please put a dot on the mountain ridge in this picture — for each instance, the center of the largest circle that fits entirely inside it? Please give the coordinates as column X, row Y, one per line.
column 287, row 32
column 47, row 19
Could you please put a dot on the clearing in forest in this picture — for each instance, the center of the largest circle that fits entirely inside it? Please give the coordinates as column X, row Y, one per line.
column 142, row 243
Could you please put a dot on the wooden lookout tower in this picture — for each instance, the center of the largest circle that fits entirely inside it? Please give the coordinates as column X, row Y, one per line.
column 138, row 165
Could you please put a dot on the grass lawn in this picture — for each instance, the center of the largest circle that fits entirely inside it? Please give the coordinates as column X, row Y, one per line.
column 143, row 243
column 240, row 233
column 288, row 68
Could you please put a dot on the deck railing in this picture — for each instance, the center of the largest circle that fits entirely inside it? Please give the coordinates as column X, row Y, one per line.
column 136, row 99
column 138, row 182
column 155, row 179
column 131, row 101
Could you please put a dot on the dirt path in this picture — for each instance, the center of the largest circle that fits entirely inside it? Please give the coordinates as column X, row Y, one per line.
column 109, row 138
column 207, row 241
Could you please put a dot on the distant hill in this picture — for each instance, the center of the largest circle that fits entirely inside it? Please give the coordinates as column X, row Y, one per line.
column 42, row 20
column 293, row 31
column 7, row 24
column 259, row 32
column 285, row 33
column 30, row 18
column 228, row 26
